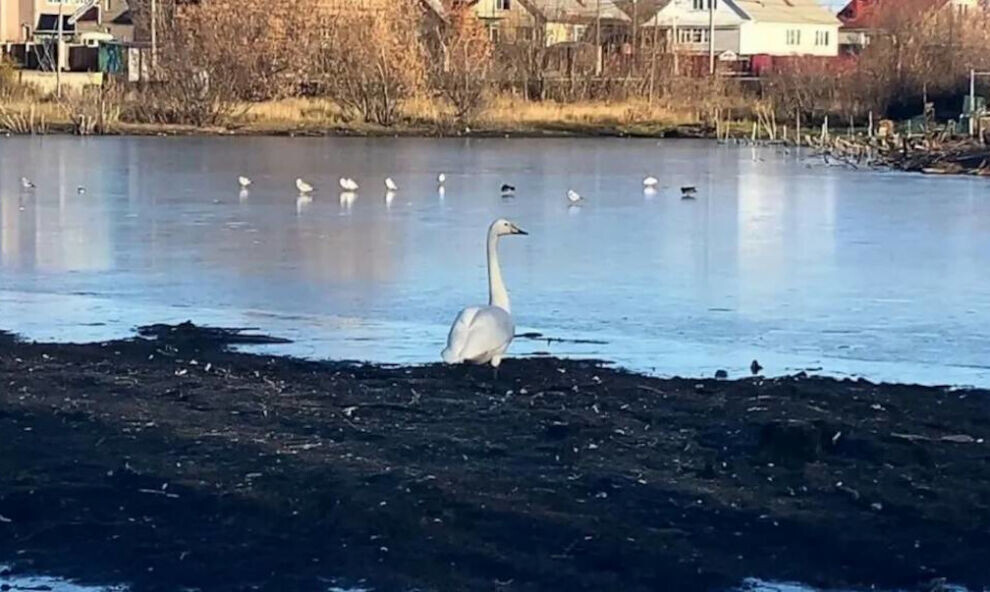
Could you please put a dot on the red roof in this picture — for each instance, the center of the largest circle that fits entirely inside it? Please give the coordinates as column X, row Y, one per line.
column 864, row 14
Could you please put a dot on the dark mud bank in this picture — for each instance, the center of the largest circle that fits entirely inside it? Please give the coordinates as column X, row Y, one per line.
column 173, row 463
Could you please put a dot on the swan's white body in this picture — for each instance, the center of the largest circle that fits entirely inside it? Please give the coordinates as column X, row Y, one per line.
column 482, row 334
column 303, row 186
column 650, row 182
column 390, row 184
column 573, row 196
column 244, row 181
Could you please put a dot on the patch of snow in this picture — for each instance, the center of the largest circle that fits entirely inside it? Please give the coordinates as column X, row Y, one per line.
column 20, row 582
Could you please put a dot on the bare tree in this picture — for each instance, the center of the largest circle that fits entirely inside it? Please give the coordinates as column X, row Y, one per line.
column 371, row 61
column 463, row 71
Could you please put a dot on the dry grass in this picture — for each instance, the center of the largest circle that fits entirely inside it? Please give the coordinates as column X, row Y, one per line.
column 423, row 115
column 294, row 112
column 516, row 114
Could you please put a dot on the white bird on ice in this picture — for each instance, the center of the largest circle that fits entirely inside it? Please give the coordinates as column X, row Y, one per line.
column 441, row 179
column 303, row 186
column 390, row 184
column 573, row 196
column 482, row 334
column 26, row 183
column 348, row 184
column 650, row 182
column 244, row 181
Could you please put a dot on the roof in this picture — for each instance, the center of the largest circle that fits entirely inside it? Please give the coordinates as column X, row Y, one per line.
column 805, row 12
column 867, row 14
column 580, row 11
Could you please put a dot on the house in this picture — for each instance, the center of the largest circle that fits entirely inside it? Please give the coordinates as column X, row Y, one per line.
column 112, row 17
column 861, row 19
column 26, row 21
column 746, row 28
column 551, row 22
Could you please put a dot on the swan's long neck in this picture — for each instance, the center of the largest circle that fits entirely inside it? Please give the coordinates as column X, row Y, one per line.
column 497, row 294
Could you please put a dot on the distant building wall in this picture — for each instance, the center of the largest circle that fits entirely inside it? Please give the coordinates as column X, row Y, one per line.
column 783, row 39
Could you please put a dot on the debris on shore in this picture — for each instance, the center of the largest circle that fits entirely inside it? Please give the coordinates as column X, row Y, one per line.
column 173, row 463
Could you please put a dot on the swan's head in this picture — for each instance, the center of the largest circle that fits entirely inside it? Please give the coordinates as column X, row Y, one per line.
column 502, row 227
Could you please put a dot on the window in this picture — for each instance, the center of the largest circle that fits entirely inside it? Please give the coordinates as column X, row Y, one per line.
column 578, row 32
column 704, row 4
column 821, row 37
column 503, row 4
column 693, row 35
column 793, row 37
column 493, row 34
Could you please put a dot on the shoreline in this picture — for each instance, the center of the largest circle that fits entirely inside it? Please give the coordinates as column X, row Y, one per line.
column 697, row 132
column 175, row 462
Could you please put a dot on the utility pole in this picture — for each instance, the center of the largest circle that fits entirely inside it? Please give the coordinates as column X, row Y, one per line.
column 599, row 54
column 635, row 35
column 58, row 56
column 674, row 47
column 711, row 37
column 972, row 102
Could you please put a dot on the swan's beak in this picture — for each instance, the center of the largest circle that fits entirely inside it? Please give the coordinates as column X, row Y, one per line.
column 517, row 230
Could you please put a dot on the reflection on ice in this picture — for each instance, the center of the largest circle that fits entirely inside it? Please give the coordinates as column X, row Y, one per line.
column 858, row 273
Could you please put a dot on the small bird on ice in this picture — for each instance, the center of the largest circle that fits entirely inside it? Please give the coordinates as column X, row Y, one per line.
column 81, row 190
column 755, row 367
column 244, row 181
column 441, row 179
column 688, row 192
column 650, row 182
column 574, row 197
column 390, row 184
column 508, row 189
column 303, row 186
column 348, row 184
column 26, row 183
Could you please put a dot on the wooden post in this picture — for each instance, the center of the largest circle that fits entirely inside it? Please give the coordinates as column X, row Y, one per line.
column 870, row 132
column 851, row 127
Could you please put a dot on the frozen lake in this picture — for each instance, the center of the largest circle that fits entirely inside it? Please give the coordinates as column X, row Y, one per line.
column 782, row 259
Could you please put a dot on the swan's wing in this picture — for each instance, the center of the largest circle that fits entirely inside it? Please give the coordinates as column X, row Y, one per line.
column 477, row 333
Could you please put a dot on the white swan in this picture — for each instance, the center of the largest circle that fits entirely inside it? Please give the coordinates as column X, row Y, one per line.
column 574, row 197
column 303, row 186
column 390, row 184
column 650, row 182
column 244, row 181
column 481, row 334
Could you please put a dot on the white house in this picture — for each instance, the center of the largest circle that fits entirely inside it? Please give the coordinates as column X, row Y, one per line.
column 751, row 27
